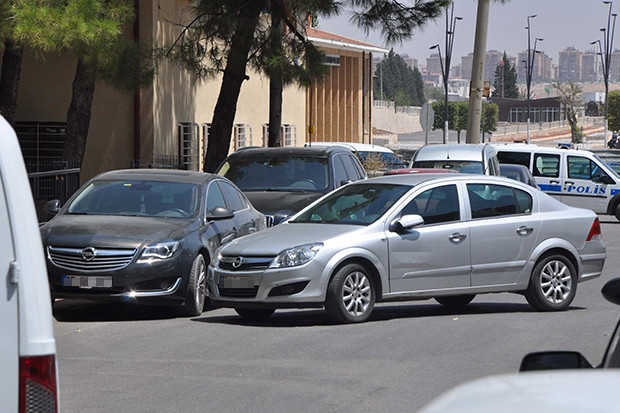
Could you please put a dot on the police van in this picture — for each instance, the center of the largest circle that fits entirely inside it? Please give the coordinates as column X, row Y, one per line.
column 576, row 177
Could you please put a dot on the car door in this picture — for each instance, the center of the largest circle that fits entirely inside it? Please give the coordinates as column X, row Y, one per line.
column 222, row 230
column 503, row 232
column 435, row 255
column 583, row 186
column 245, row 221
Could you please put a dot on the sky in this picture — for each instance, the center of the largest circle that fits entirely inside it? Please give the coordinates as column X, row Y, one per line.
column 560, row 23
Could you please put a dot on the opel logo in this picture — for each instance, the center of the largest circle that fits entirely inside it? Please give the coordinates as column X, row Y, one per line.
column 237, row 262
column 89, row 253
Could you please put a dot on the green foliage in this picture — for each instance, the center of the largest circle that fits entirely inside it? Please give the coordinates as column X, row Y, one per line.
column 399, row 82
column 613, row 107
column 506, row 74
column 490, row 117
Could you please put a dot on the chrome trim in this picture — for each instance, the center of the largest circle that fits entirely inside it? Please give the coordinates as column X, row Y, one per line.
column 153, row 293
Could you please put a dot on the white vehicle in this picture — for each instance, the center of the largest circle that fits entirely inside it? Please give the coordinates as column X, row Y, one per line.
column 28, row 373
column 465, row 158
column 576, row 177
column 368, row 151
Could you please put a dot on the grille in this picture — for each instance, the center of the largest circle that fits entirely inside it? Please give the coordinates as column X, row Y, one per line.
column 245, row 263
column 100, row 259
column 238, row 292
column 39, row 399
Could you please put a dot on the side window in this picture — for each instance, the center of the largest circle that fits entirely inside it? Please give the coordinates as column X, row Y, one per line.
column 339, row 172
column 546, row 165
column 579, row 167
column 497, row 200
column 352, row 173
column 519, row 158
column 436, row 205
column 233, row 198
column 215, row 198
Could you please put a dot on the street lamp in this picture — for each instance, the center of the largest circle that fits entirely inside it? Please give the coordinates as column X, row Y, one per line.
column 528, row 71
column 445, row 68
column 608, row 40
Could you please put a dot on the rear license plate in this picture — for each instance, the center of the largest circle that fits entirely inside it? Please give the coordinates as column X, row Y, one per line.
column 236, row 282
column 82, row 281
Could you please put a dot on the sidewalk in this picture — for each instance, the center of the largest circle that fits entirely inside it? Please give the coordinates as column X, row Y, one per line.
column 594, row 138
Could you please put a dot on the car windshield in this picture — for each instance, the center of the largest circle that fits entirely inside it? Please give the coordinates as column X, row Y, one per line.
column 359, row 204
column 466, row 167
column 291, row 173
column 137, row 198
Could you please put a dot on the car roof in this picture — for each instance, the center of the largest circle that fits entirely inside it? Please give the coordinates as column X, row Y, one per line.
column 319, row 152
column 354, row 146
column 172, row 175
column 539, row 391
column 524, row 147
column 459, row 151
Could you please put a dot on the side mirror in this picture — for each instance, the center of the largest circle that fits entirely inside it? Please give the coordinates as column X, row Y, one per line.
column 219, row 213
column 406, row 222
column 554, row 360
column 611, row 291
column 52, row 206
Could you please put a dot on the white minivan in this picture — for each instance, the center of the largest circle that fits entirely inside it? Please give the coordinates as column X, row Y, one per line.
column 28, row 364
column 574, row 176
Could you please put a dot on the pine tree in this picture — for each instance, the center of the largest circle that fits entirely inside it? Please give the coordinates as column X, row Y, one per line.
column 395, row 80
column 505, row 83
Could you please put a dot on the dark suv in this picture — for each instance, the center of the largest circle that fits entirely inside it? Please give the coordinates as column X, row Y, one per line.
column 281, row 181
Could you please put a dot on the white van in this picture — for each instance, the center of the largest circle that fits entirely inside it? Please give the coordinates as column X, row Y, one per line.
column 462, row 157
column 576, row 177
column 28, row 364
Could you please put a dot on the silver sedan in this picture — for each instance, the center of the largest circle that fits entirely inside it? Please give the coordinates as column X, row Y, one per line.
column 407, row 237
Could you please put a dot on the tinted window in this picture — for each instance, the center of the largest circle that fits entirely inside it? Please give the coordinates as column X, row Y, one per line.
column 436, row 205
column 546, row 165
column 467, row 167
column 497, row 200
column 235, row 201
column 298, row 173
column 215, row 198
column 519, row 158
column 339, row 171
column 353, row 174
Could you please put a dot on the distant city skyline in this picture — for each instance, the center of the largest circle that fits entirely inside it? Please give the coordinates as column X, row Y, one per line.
column 561, row 23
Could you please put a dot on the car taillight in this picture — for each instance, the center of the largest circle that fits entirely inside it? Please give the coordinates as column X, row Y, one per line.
column 595, row 231
column 38, row 390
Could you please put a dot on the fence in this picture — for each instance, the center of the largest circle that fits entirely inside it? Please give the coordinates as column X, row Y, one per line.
column 46, row 186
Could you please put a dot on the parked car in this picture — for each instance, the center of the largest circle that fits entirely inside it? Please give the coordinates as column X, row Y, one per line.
column 413, row 236
column 281, row 181
column 610, row 156
column 376, row 159
column 517, row 172
column 465, row 158
column 144, row 235
column 543, row 382
column 28, row 360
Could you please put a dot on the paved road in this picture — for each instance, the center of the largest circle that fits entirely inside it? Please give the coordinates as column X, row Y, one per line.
column 127, row 359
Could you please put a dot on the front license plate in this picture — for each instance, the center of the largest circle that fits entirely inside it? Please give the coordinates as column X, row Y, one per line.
column 236, row 282
column 82, row 281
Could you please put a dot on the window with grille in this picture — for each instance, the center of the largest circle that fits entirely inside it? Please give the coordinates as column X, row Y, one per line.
column 189, row 146
column 288, row 135
column 243, row 135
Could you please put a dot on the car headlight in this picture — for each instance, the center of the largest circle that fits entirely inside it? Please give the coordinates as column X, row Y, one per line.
column 161, row 251
column 295, row 256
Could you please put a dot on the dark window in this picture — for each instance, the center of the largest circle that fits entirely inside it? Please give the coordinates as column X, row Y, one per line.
column 233, row 198
column 497, row 200
column 436, row 205
column 546, row 165
column 519, row 158
column 215, row 198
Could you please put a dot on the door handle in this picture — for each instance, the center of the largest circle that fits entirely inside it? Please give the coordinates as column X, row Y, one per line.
column 523, row 230
column 569, row 182
column 456, row 237
column 555, row 182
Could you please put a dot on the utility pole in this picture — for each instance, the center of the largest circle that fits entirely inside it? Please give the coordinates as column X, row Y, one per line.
column 477, row 73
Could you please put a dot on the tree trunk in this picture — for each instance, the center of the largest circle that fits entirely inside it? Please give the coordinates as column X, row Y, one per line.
column 9, row 79
column 275, row 77
column 477, row 73
column 234, row 75
column 78, row 116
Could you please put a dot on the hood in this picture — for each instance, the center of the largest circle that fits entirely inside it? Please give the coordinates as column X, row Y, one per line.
column 280, row 204
column 116, row 231
column 280, row 237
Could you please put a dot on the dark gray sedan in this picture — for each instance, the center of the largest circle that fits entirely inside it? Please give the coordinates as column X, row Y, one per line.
column 144, row 236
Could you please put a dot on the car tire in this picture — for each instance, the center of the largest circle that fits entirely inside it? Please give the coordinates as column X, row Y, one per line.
column 455, row 300
column 617, row 211
column 350, row 295
column 553, row 284
column 255, row 314
column 196, row 291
